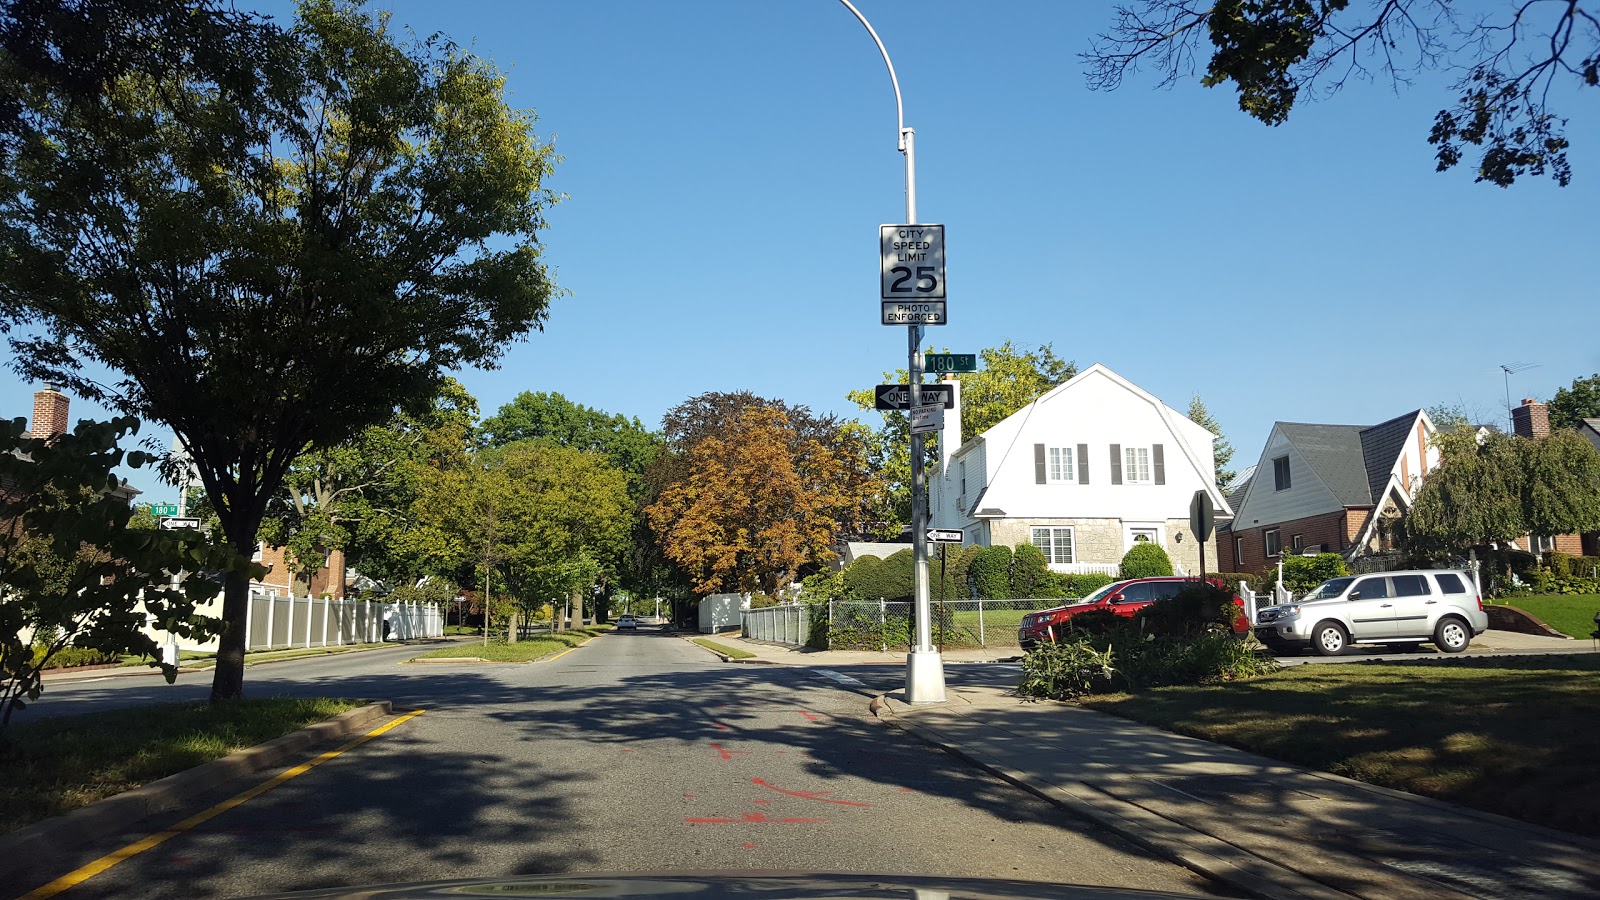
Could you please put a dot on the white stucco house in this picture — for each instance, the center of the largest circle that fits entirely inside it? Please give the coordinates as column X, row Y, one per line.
column 1093, row 466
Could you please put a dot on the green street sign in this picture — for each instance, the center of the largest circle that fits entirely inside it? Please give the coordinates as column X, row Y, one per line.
column 950, row 362
column 164, row 509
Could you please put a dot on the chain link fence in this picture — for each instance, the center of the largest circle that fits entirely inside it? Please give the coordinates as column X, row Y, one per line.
column 882, row 625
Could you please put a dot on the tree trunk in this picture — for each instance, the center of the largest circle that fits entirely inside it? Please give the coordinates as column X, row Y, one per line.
column 577, row 608
column 227, row 678
column 513, row 628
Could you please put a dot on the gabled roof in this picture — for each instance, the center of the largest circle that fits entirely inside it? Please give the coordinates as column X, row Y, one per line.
column 1354, row 461
column 1334, row 453
column 1591, row 430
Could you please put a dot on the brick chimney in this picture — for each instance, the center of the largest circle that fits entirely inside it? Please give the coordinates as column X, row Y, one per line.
column 49, row 413
column 1531, row 419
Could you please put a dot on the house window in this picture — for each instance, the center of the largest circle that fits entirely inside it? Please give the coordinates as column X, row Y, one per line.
column 1295, row 543
column 1280, row 473
column 1055, row 543
column 1273, row 545
column 1238, row 552
column 1136, row 465
column 260, row 548
column 1544, row 544
column 1144, row 536
column 1060, row 464
column 963, row 478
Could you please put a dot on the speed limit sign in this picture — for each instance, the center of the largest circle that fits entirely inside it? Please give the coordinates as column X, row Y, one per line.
column 912, row 259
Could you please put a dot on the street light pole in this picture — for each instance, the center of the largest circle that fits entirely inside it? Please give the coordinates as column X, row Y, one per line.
column 924, row 665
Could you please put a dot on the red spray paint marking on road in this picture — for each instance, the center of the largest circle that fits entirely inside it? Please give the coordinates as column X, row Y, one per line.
column 808, row 795
column 627, row 751
column 726, row 754
column 749, row 846
column 720, row 727
column 811, row 716
column 759, row 818
column 688, row 796
column 760, row 801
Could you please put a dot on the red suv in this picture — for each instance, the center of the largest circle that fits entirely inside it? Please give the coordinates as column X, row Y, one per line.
column 1123, row 598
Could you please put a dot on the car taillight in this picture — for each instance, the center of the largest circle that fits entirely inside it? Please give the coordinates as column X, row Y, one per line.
column 1480, row 604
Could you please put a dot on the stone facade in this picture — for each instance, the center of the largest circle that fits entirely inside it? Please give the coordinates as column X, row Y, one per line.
column 1102, row 541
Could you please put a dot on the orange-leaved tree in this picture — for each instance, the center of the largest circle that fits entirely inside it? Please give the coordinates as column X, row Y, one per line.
column 757, row 490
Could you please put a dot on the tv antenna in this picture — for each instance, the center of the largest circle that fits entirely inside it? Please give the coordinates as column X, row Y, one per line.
column 1511, row 369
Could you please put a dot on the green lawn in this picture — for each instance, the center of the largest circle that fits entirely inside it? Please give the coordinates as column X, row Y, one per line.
column 57, row 765
column 1515, row 735
column 1567, row 613
column 724, row 649
column 525, row 650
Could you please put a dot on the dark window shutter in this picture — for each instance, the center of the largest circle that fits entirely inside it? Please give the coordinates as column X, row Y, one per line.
column 1116, row 463
column 1083, row 463
column 1038, row 463
column 1158, row 459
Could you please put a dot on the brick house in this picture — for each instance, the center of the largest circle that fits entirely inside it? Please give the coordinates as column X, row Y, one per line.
column 330, row 579
column 1328, row 489
column 1092, row 467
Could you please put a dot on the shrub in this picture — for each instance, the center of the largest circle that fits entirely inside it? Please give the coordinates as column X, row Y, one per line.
column 1030, row 572
column 1253, row 582
column 1146, row 560
column 1094, row 621
column 1560, row 564
column 1586, row 566
column 1204, row 658
column 1302, row 573
column 859, row 571
column 1079, row 586
column 1066, row 670
column 67, row 657
column 961, row 564
column 992, row 571
column 1197, row 608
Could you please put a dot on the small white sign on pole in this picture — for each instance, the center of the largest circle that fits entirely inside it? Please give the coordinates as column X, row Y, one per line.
column 927, row 419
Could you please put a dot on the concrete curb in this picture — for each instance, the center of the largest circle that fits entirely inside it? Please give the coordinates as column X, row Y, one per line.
column 25, row 847
column 1198, row 852
column 754, row 660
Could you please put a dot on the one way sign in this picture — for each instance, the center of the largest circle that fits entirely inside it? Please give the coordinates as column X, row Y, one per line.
column 898, row 396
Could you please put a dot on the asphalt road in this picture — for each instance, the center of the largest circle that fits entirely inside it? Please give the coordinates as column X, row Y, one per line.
column 638, row 752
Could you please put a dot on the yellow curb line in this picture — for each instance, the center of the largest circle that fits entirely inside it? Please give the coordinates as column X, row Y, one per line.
column 87, row 872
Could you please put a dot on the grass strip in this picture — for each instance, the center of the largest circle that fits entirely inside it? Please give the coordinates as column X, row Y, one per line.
column 56, row 765
column 525, row 650
column 725, row 650
column 1509, row 735
column 1570, row 614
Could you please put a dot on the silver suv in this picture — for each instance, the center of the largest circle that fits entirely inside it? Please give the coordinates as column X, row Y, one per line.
column 1405, row 608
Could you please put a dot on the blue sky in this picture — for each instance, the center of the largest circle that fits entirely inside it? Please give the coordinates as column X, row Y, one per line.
column 728, row 165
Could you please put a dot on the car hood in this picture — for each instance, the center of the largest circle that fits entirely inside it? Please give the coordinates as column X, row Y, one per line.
column 720, row 885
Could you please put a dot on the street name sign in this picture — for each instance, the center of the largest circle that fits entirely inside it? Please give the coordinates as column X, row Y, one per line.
column 944, row 536
column 163, row 509
column 173, row 523
column 898, row 396
column 938, row 363
column 912, row 262
column 927, row 419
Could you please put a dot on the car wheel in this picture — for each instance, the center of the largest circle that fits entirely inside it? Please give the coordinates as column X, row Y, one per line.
column 1329, row 639
column 1451, row 635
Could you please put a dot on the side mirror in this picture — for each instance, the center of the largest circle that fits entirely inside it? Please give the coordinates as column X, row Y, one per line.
column 1354, row 595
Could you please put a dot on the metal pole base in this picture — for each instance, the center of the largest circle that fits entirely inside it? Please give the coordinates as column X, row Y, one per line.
column 924, row 677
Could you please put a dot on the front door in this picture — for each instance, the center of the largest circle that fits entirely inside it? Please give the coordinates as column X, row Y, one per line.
column 1372, row 612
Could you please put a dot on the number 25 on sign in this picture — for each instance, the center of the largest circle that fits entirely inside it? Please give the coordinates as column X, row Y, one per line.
column 912, row 261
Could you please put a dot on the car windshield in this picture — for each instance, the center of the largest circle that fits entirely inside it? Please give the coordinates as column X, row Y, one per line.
column 1101, row 593
column 1333, row 587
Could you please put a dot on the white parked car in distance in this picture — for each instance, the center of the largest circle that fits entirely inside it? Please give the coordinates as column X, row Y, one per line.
column 1402, row 608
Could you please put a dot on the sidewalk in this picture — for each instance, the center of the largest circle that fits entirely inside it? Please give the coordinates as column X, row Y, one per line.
column 1265, row 827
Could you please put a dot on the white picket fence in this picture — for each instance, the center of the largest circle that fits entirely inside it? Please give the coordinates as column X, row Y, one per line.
column 283, row 621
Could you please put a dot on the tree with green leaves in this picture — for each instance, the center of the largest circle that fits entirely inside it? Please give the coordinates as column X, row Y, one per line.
column 552, row 418
column 1513, row 60
column 1572, row 405
column 72, row 571
column 1221, row 450
column 1008, row 379
column 1501, row 487
column 272, row 237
